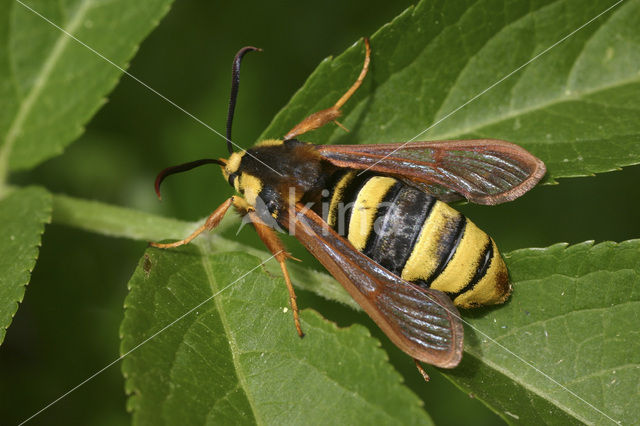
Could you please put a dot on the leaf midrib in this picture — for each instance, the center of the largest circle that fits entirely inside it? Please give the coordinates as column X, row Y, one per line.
column 242, row 380
column 534, row 389
column 576, row 96
column 40, row 82
column 309, row 326
column 543, row 394
column 433, row 40
column 563, row 315
column 520, row 72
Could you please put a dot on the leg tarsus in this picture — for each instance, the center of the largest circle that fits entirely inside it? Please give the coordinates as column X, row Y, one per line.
column 341, row 126
column 363, row 73
column 292, row 298
column 320, row 118
column 424, row 374
column 212, row 221
column 275, row 246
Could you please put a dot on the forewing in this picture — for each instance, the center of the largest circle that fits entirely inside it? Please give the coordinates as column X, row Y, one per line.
column 424, row 323
column 484, row 171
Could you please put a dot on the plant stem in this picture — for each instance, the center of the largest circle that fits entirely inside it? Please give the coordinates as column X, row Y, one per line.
column 114, row 221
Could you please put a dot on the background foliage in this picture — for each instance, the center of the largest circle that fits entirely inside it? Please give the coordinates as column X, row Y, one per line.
column 68, row 325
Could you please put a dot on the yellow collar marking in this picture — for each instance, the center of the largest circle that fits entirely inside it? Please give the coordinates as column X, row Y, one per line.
column 270, row 142
column 251, row 186
column 233, row 163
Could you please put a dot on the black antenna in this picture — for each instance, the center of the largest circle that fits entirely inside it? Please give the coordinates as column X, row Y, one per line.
column 235, row 83
column 183, row 168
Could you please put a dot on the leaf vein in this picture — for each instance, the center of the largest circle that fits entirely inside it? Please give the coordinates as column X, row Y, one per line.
column 233, row 347
column 561, row 316
column 599, row 373
column 39, row 83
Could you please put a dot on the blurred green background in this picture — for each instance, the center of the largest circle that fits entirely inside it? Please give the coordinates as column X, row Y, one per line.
column 67, row 326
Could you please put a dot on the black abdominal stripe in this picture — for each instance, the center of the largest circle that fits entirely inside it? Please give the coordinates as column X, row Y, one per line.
column 416, row 237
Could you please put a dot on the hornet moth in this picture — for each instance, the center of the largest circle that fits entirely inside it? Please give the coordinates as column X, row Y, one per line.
column 400, row 251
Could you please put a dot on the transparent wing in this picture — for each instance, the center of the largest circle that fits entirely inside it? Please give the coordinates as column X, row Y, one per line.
column 424, row 323
column 484, row 171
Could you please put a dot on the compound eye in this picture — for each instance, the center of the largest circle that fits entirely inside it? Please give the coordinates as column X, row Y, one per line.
column 232, row 179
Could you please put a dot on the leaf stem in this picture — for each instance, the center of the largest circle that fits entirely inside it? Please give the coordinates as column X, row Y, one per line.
column 115, row 221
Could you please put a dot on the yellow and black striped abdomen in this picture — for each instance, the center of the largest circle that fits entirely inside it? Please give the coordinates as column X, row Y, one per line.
column 417, row 237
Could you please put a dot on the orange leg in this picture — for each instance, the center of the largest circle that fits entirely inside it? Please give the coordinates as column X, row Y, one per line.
column 275, row 246
column 425, row 376
column 266, row 234
column 212, row 221
column 320, row 118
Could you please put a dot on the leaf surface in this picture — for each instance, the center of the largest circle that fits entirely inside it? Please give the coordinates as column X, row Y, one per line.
column 51, row 84
column 23, row 214
column 237, row 358
column 565, row 348
column 545, row 75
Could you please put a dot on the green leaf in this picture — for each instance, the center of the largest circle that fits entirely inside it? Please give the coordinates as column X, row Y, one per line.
column 575, row 106
column 565, row 348
column 50, row 84
column 213, row 342
column 23, row 214
column 115, row 221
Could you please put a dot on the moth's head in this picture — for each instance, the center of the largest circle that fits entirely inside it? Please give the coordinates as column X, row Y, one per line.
column 232, row 167
column 241, row 170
